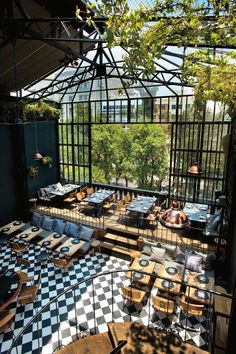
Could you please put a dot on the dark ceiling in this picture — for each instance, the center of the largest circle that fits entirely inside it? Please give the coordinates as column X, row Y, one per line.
column 36, row 38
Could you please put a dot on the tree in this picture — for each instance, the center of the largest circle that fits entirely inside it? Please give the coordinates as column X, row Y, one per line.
column 150, row 155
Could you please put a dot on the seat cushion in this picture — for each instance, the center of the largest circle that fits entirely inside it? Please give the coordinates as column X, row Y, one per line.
column 193, row 262
column 36, row 219
column 85, row 233
column 179, row 255
column 59, row 226
column 47, row 223
column 158, row 255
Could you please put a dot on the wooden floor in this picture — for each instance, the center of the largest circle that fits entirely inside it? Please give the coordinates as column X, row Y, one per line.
column 113, row 221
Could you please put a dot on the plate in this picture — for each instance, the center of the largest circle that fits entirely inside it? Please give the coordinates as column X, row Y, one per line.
column 202, row 217
column 202, row 278
column 99, row 191
column 145, row 208
column 137, row 275
column 24, row 235
column 46, row 243
column 16, row 223
column 64, row 249
column 172, row 270
column 35, row 228
column 167, row 284
column 75, row 242
column 5, row 229
column 57, row 235
column 201, row 294
column 143, row 262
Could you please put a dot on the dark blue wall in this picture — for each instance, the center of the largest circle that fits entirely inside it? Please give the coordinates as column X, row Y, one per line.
column 47, row 145
column 17, row 146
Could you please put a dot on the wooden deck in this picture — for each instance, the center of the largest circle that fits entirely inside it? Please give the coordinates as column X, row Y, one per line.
column 113, row 222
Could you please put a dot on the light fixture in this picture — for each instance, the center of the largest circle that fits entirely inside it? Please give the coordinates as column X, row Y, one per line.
column 37, row 156
column 195, row 169
column 174, row 218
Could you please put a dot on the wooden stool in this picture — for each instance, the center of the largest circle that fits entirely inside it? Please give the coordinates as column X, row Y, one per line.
column 96, row 245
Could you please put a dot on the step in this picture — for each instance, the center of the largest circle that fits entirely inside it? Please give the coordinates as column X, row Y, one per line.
column 124, row 233
column 126, row 241
column 115, row 248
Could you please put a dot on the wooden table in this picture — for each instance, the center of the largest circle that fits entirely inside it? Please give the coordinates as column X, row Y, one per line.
column 148, row 269
column 191, row 292
column 163, row 272
column 73, row 248
column 30, row 234
column 54, row 241
column 11, row 227
column 7, row 279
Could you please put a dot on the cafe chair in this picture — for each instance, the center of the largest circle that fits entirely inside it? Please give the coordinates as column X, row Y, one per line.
column 164, row 305
column 127, row 199
column 71, row 198
column 62, row 263
column 132, row 294
column 190, row 308
column 18, row 248
column 24, row 278
column 6, row 319
column 29, row 293
column 90, row 190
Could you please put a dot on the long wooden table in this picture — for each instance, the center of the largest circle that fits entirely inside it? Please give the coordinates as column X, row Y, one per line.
column 51, row 241
column 30, row 234
column 144, row 278
column 73, row 248
column 169, row 286
column 192, row 293
column 11, row 227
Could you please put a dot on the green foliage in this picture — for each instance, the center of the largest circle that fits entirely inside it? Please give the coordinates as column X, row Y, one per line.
column 47, row 160
column 40, row 110
column 32, row 171
column 137, row 153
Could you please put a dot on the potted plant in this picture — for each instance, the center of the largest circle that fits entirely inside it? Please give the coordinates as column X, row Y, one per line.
column 32, row 171
column 47, row 160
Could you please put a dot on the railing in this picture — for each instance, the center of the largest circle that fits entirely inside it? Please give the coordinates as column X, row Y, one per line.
column 86, row 288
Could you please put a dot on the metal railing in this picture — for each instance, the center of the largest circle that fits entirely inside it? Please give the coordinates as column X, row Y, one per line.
column 87, row 288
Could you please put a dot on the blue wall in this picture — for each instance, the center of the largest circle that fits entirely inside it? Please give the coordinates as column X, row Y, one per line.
column 17, row 146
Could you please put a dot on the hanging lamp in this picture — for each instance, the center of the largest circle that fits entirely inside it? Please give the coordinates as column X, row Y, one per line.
column 174, row 218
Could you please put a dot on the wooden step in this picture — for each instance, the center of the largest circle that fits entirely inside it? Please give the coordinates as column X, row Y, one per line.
column 89, row 345
column 113, row 238
column 115, row 248
column 124, row 233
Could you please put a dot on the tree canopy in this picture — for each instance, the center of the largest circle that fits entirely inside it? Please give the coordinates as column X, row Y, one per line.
column 137, row 153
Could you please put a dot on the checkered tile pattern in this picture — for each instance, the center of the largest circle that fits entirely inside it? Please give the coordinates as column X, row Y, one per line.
column 61, row 323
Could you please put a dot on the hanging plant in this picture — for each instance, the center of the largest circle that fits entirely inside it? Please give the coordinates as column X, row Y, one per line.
column 47, row 161
column 32, row 171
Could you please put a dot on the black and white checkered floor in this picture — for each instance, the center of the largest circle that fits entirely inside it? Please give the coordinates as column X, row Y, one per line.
column 58, row 323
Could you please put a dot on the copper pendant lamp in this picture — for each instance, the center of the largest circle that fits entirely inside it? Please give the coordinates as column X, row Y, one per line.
column 174, row 218
column 195, row 169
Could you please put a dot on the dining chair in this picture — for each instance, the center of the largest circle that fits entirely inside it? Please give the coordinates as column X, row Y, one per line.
column 90, row 190
column 71, row 198
column 164, row 305
column 18, row 248
column 6, row 319
column 132, row 294
column 190, row 308
column 29, row 293
column 62, row 263
column 24, row 278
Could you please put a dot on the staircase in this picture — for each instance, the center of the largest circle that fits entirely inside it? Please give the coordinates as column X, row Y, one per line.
column 119, row 243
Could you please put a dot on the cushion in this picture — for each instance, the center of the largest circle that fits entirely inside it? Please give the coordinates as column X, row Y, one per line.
column 215, row 223
column 85, row 233
column 85, row 247
column 209, row 263
column 59, row 226
column 42, row 192
column 193, row 262
column 158, row 255
column 67, row 228
column 178, row 255
column 59, row 187
column 47, row 223
column 169, row 255
column 37, row 219
column 147, row 250
column 74, row 230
